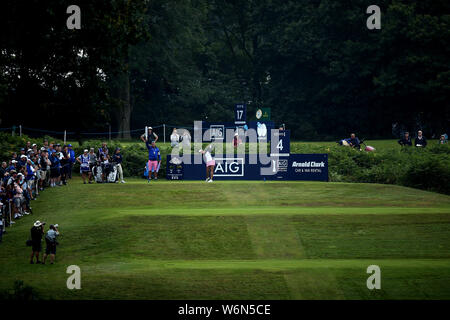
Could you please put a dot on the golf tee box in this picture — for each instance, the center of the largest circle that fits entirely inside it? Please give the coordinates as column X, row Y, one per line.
column 297, row 167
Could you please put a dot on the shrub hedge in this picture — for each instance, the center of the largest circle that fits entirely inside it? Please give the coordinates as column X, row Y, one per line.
column 427, row 169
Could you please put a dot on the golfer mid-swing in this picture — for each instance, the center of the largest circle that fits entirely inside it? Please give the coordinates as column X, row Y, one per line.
column 210, row 162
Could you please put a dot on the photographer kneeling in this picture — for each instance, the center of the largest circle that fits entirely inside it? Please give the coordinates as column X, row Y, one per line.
column 50, row 240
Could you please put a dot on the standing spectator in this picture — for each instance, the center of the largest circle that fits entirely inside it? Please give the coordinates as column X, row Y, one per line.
column 37, row 231
column 406, row 140
column 45, row 144
column 50, row 240
column 103, row 152
column 44, row 167
column 174, row 138
column 92, row 163
column 3, row 170
column 154, row 156
column 236, row 140
column 51, row 149
column 421, row 141
column 117, row 158
column 84, row 165
column 22, row 162
column 1, row 215
column 71, row 161
column 18, row 198
column 65, row 164
column 54, row 169
column 151, row 136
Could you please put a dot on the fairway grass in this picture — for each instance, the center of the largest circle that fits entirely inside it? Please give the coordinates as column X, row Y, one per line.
column 237, row 240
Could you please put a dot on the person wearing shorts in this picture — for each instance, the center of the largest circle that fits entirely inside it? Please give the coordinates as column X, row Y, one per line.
column 154, row 160
column 54, row 169
column 50, row 240
column 44, row 164
column 84, row 165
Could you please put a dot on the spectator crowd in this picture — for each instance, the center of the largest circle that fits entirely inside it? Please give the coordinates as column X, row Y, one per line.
column 30, row 171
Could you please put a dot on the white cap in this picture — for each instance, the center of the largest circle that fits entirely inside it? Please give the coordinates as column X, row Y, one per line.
column 150, row 128
column 37, row 223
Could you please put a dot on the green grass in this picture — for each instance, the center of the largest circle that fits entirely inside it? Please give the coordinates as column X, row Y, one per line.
column 237, row 240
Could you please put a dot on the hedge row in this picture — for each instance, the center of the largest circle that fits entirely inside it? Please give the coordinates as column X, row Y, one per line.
column 427, row 169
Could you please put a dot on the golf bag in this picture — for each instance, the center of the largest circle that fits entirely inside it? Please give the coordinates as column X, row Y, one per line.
column 112, row 175
column 97, row 172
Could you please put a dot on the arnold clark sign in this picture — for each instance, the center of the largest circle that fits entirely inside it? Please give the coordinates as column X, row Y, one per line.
column 307, row 167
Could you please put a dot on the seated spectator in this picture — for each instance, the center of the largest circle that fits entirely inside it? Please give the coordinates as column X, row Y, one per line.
column 420, row 141
column 354, row 142
column 406, row 140
column 443, row 139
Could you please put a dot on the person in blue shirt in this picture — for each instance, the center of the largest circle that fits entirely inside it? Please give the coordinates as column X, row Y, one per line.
column 54, row 169
column 406, row 140
column 354, row 142
column 154, row 160
column 22, row 162
column 72, row 160
column 51, row 242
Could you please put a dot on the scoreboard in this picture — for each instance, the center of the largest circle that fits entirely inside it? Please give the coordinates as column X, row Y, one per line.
column 240, row 114
column 280, row 145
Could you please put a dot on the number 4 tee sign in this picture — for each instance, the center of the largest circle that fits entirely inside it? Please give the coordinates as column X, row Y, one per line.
column 280, row 143
column 240, row 114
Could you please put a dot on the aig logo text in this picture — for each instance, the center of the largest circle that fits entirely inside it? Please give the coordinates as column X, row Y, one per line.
column 229, row 167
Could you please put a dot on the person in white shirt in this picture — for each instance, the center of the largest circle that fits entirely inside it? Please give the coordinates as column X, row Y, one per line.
column 210, row 162
column 174, row 138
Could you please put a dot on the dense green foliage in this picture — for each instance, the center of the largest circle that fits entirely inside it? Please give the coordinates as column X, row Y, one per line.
column 427, row 169
column 193, row 240
column 166, row 61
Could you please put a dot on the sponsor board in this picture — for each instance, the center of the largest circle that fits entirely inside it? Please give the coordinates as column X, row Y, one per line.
column 306, row 167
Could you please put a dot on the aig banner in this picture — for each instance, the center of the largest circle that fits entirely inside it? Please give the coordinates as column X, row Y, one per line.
column 306, row 167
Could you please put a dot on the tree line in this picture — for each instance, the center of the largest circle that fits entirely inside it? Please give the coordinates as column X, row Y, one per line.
column 313, row 62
